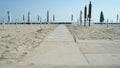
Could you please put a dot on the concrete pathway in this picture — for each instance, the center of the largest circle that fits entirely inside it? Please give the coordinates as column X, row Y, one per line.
column 58, row 49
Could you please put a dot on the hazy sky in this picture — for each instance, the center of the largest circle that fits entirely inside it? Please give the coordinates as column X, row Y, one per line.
column 61, row 8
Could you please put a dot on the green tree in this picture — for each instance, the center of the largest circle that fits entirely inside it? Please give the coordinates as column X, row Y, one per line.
column 102, row 17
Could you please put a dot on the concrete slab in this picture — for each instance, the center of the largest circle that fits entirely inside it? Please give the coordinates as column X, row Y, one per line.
column 113, row 48
column 98, row 41
column 64, row 53
column 92, row 48
column 99, row 46
column 101, row 53
column 103, row 59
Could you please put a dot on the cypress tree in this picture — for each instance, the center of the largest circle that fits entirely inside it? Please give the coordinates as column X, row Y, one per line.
column 102, row 17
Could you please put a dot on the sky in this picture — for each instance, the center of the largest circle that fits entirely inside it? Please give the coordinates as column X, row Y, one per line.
column 62, row 9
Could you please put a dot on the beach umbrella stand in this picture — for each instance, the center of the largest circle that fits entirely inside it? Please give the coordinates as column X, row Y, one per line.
column 90, row 12
column 85, row 15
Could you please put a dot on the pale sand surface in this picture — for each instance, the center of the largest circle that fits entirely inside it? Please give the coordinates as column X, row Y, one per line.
column 95, row 32
column 95, row 47
column 17, row 41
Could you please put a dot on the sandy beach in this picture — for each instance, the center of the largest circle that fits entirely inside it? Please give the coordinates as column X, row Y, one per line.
column 16, row 41
column 95, row 32
column 59, row 46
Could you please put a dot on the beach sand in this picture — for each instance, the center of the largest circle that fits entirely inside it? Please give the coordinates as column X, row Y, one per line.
column 16, row 41
column 95, row 32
